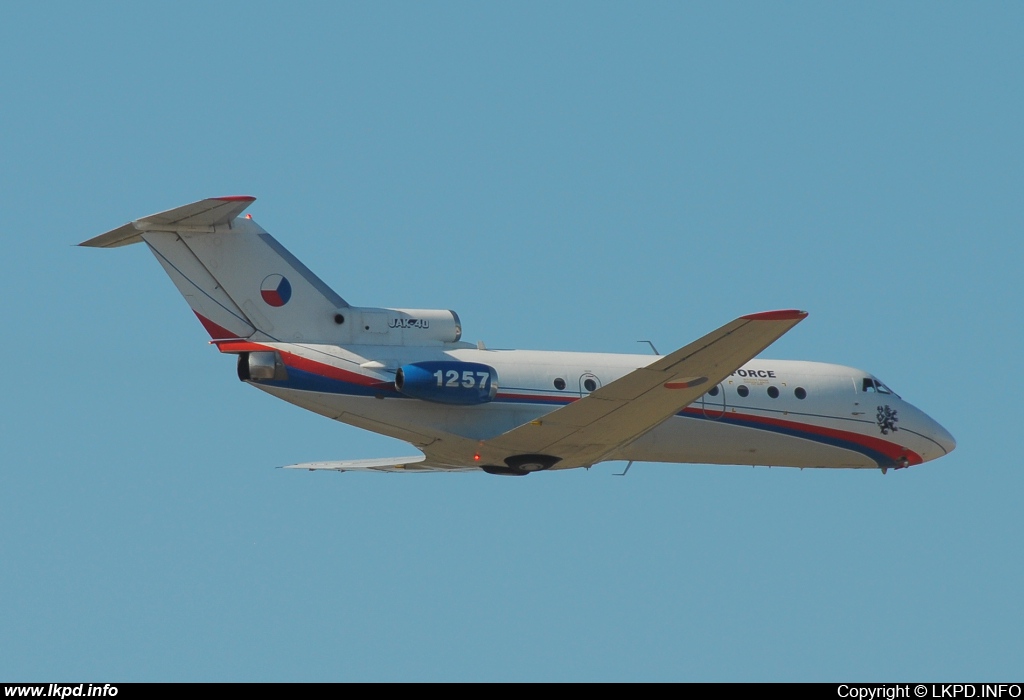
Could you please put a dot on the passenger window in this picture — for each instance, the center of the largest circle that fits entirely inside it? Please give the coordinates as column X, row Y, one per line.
column 773, row 392
column 589, row 385
column 559, row 383
column 742, row 390
column 800, row 392
column 713, row 391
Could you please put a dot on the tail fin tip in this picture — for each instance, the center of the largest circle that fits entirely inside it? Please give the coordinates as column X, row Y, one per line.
column 206, row 212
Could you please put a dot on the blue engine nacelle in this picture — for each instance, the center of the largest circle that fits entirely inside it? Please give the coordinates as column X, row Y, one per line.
column 460, row 383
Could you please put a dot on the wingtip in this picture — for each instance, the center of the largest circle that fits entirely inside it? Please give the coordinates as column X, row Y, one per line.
column 236, row 198
column 780, row 315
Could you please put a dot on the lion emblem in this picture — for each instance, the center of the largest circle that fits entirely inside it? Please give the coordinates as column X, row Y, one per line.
column 887, row 419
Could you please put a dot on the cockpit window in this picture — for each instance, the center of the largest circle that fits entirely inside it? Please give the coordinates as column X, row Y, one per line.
column 886, row 390
column 870, row 384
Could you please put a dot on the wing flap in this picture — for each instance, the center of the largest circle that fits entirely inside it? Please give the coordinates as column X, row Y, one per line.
column 586, row 431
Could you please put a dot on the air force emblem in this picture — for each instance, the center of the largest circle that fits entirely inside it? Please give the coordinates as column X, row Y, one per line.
column 276, row 290
column 887, row 420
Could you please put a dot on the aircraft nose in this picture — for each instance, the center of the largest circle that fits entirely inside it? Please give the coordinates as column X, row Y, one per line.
column 945, row 440
column 943, row 443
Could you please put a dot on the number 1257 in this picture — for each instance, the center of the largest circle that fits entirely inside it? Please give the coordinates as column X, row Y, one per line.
column 469, row 380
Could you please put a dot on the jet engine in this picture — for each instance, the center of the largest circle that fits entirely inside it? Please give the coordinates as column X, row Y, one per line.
column 256, row 366
column 402, row 326
column 458, row 383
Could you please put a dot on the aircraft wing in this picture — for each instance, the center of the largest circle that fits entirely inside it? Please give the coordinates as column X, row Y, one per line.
column 587, row 430
column 404, row 465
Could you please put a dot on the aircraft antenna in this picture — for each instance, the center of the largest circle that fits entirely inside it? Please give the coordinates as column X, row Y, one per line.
column 630, row 461
column 651, row 344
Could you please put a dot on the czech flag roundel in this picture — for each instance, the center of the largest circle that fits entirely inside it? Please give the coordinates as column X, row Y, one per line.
column 276, row 290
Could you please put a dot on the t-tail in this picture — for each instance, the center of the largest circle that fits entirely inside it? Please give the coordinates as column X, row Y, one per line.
column 242, row 283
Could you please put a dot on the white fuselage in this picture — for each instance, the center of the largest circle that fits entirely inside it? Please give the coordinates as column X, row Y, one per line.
column 754, row 417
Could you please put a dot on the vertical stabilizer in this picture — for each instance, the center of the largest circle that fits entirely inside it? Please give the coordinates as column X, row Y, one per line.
column 221, row 317
column 239, row 281
column 278, row 295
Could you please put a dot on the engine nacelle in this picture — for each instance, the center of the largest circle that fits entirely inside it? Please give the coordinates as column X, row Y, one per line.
column 256, row 366
column 459, row 383
column 402, row 326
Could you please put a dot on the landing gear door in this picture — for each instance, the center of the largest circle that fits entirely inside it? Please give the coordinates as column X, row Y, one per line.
column 713, row 402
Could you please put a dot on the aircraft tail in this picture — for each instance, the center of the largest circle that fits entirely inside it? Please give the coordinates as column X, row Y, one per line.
column 237, row 278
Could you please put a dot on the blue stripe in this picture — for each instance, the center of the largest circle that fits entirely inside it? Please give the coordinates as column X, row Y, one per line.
column 302, row 380
column 881, row 459
column 308, row 381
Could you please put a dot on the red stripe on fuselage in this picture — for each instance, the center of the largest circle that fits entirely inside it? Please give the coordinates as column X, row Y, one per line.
column 889, row 449
column 566, row 400
column 290, row 359
column 329, row 371
column 745, row 420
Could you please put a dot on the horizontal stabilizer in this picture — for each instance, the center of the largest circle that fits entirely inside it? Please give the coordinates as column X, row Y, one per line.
column 381, row 464
column 204, row 214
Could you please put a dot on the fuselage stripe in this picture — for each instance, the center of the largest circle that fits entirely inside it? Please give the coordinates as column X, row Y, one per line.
column 310, row 375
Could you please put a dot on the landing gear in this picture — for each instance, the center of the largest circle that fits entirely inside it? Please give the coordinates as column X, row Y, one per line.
column 901, row 463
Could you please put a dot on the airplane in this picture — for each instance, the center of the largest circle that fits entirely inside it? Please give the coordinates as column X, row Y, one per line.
column 407, row 374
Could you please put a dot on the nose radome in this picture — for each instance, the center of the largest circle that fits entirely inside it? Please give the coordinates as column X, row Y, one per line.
column 937, row 440
column 942, row 443
column 945, row 440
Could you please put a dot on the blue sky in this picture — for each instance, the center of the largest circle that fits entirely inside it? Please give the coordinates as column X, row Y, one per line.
column 568, row 176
